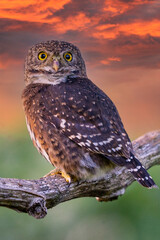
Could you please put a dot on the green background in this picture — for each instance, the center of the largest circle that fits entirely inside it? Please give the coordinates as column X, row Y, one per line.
column 136, row 215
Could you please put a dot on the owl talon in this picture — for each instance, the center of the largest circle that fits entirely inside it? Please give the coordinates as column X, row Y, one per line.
column 66, row 176
column 59, row 172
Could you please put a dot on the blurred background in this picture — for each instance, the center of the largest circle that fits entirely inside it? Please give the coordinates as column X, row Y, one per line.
column 120, row 42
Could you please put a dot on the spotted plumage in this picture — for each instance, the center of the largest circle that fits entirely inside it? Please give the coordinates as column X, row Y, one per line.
column 73, row 123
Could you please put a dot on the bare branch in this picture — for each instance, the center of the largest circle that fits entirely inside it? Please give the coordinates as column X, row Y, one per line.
column 36, row 196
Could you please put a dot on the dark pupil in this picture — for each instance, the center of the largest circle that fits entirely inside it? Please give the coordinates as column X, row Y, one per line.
column 43, row 55
column 68, row 56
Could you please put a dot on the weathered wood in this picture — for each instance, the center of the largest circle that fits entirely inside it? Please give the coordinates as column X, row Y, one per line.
column 36, row 196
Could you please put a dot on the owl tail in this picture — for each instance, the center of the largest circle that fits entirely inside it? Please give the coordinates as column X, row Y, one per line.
column 135, row 167
column 139, row 172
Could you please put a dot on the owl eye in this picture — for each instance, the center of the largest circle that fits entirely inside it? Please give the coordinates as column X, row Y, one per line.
column 42, row 56
column 68, row 56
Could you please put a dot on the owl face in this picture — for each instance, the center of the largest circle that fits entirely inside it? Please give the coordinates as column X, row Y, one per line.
column 52, row 62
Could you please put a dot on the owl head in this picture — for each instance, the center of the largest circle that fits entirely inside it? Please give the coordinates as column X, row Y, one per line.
column 52, row 62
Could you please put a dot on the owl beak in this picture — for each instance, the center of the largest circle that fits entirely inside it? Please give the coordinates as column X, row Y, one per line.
column 56, row 65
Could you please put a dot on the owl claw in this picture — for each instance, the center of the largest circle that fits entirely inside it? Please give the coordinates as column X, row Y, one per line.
column 66, row 176
column 59, row 172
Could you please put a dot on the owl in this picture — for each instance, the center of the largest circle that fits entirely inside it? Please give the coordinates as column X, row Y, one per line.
column 72, row 122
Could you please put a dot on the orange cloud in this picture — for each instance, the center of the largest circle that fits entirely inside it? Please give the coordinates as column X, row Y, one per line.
column 44, row 12
column 116, row 7
column 141, row 28
column 31, row 11
column 78, row 22
column 109, row 60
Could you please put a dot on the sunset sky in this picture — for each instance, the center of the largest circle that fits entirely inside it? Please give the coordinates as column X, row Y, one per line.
column 119, row 40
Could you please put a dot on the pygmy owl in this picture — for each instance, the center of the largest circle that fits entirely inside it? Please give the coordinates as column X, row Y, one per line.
column 73, row 123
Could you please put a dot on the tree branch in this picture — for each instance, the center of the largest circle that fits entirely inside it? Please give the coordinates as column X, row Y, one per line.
column 36, row 196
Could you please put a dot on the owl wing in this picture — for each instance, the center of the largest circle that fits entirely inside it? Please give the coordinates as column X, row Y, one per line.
column 88, row 117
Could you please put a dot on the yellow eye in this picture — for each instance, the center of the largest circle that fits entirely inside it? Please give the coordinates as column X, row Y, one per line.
column 42, row 56
column 68, row 56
